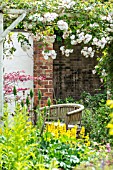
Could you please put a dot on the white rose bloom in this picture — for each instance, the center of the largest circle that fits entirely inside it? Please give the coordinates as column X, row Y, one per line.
column 107, row 38
column 50, row 16
column 30, row 26
column 84, row 53
column 78, row 31
column 72, row 3
column 94, row 71
column 103, row 17
column 53, row 54
column 81, row 34
column 104, row 40
column 67, row 54
column 71, row 50
column 109, row 29
column 73, row 42
column 62, row 48
column 86, row 56
column 72, row 37
column 108, row 18
column 67, row 51
column 90, row 49
column 62, row 25
column 95, row 40
column 92, row 54
column 78, row 41
column 111, row 25
column 88, row 36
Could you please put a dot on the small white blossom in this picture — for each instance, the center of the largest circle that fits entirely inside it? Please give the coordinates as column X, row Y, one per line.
column 62, row 25
column 50, row 53
column 90, row 49
column 73, row 42
column 30, row 26
column 67, row 4
column 50, row 16
column 94, row 71
column 72, row 37
column 93, row 25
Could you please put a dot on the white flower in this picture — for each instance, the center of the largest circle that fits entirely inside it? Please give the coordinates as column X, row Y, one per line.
column 94, row 25
column 30, row 17
column 68, row 3
column 87, row 38
column 53, row 54
column 111, row 25
column 50, row 16
column 95, row 40
column 65, row 35
column 94, row 71
column 67, row 51
column 90, row 49
column 73, row 42
column 30, row 26
column 67, row 54
column 72, row 37
column 62, row 25
column 71, row 50
column 62, row 48
column 103, row 17
column 92, row 54
column 78, row 31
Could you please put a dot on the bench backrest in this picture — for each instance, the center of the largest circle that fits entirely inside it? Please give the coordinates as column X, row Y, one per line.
column 67, row 113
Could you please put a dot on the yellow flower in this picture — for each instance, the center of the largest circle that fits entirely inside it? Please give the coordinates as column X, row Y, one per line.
column 110, row 126
column 111, row 131
column 111, row 115
column 0, row 131
column 109, row 102
column 88, row 143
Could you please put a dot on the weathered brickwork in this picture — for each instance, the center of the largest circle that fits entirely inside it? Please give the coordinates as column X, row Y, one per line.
column 73, row 75
column 42, row 67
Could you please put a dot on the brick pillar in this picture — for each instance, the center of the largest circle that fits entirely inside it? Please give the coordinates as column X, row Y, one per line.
column 42, row 67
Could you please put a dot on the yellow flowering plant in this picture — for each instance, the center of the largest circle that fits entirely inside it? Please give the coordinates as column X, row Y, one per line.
column 19, row 143
column 110, row 124
column 59, row 131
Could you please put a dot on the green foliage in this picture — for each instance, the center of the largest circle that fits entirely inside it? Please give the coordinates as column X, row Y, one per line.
column 68, row 155
column 96, row 117
column 20, row 143
column 95, row 100
column 66, row 100
column 19, row 136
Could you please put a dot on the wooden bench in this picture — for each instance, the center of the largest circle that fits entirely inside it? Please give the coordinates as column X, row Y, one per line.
column 68, row 113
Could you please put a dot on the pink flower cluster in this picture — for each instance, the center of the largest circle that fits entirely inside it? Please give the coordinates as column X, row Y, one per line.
column 12, row 79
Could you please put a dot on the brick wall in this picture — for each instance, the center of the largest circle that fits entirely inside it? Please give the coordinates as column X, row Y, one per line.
column 73, row 75
column 42, row 67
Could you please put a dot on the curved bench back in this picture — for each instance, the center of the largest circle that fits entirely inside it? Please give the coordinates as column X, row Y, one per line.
column 68, row 113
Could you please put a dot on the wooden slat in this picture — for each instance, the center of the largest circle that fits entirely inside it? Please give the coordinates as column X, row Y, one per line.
column 70, row 114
